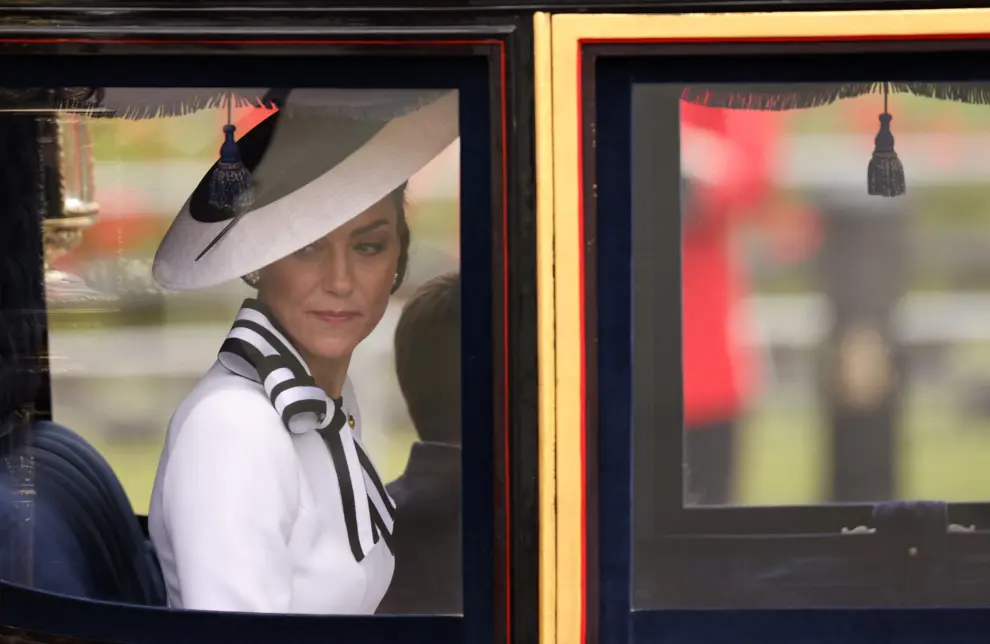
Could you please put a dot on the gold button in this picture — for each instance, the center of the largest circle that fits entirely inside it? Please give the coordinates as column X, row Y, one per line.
column 350, row 421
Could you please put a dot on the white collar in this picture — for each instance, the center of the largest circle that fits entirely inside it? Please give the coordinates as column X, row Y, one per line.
column 259, row 349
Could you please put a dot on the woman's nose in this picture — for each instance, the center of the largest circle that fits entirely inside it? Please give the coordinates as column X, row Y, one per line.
column 338, row 274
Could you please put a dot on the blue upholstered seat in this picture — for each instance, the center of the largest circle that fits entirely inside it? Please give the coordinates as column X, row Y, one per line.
column 80, row 531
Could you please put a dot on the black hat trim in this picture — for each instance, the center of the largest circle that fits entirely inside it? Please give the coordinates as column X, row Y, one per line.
column 349, row 135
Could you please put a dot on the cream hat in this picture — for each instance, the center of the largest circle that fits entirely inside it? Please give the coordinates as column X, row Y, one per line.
column 324, row 158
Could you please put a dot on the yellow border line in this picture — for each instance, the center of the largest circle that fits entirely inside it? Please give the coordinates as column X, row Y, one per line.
column 568, row 31
column 567, row 281
column 824, row 24
column 545, row 328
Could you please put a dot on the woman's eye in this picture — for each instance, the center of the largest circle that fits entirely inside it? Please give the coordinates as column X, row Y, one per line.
column 369, row 248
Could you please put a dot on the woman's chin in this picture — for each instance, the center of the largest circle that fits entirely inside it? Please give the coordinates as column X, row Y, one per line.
column 332, row 348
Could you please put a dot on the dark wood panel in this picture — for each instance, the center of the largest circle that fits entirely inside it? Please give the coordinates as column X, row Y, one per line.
column 20, row 636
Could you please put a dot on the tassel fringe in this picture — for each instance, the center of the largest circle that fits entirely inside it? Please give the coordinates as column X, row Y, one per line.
column 885, row 175
column 231, row 187
column 231, row 184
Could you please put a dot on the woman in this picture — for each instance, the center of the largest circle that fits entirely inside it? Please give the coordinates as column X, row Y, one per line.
column 265, row 500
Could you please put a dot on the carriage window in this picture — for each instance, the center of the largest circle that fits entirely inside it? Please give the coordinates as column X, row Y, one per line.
column 254, row 336
column 834, row 342
column 835, row 289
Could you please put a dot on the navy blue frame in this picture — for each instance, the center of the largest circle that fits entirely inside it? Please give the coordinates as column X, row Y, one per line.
column 471, row 71
column 609, row 72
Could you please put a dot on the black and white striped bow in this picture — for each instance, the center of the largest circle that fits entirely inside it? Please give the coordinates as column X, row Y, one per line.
column 258, row 348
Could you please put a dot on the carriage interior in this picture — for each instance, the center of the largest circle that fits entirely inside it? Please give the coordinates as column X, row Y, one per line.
column 735, row 330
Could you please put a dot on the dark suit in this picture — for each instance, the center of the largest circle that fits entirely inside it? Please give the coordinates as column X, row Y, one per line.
column 427, row 538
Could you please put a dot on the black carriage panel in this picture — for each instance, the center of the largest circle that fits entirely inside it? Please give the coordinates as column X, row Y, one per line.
column 107, row 138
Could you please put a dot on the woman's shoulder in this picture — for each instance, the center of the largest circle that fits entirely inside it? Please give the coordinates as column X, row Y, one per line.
column 223, row 407
column 226, row 447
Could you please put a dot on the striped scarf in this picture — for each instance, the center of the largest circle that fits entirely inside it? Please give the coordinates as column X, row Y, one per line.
column 258, row 348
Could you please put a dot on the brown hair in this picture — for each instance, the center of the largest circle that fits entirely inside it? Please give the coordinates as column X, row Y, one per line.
column 398, row 197
column 427, row 358
column 402, row 226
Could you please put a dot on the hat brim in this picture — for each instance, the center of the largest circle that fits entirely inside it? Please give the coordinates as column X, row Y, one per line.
column 283, row 225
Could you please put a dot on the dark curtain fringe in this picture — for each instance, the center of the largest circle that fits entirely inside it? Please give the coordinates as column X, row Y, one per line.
column 92, row 103
column 777, row 97
column 166, row 110
column 770, row 97
column 974, row 93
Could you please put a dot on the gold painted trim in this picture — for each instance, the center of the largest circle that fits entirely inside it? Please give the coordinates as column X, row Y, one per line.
column 569, row 343
column 545, row 330
column 571, row 28
column 568, row 31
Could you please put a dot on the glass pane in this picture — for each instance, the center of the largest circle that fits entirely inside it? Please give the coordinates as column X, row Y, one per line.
column 820, row 319
column 278, row 389
column 836, row 301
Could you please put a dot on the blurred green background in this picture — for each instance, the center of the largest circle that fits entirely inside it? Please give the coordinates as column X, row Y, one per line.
column 943, row 443
column 121, row 371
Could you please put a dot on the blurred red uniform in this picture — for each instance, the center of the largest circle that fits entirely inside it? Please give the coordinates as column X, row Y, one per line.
column 727, row 161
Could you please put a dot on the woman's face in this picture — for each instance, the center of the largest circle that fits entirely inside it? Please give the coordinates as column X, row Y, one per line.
column 331, row 294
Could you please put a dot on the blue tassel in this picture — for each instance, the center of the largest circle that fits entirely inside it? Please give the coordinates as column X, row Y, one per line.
column 231, row 184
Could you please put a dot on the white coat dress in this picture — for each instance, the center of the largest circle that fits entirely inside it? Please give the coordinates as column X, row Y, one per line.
column 264, row 500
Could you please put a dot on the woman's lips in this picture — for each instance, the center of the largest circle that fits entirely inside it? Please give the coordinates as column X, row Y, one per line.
column 335, row 317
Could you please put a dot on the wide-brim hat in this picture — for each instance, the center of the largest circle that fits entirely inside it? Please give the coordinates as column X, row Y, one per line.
column 322, row 159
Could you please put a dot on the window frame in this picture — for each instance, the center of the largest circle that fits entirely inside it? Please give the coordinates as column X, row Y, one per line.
column 594, row 484
column 501, row 603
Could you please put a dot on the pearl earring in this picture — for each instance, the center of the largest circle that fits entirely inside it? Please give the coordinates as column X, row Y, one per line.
column 252, row 279
column 395, row 280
